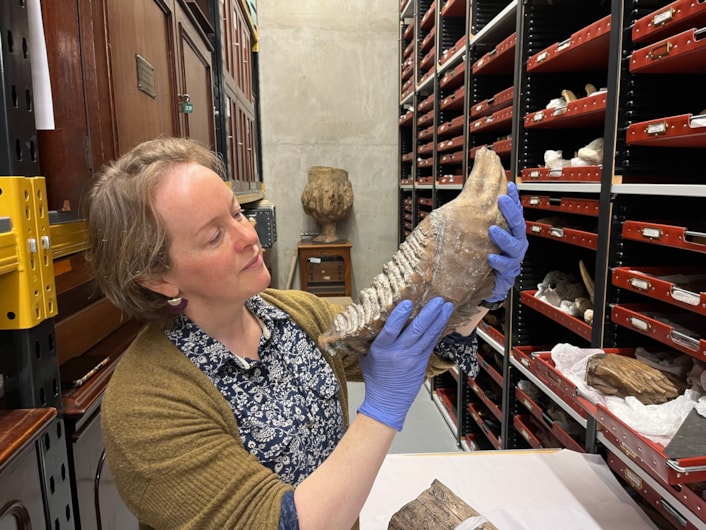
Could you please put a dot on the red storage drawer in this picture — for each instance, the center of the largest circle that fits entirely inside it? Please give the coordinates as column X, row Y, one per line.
column 585, row 112
column 678, row 54
column 656, row 499
column 406, row 119
column 426, row 119
column 428, row 41
column 425, row 149
column 454, row 101
column 426, row 104
column 426, row 134
column 682, row 331
column 586, row 49
column 525, row 355
column 570, row 236
column 502, row 147
column 407, row 71
column 683, row 287
column 425, row 162
column 478, row 419
column 451, row 158
column 427, row 61
column 647, row 454
column 450, row 144
column 684, row 130
column 478, row 391
column 453, row 126
column 500, row 119
column 561, row 385
column 428, row 18
column 450, row 52
column 499, row 60
column 669, row 235
column 670, row 19
column 579, row 327
column 490, row 369
column 492, row 332
column 450, row 179
column 449, row 402
column 551, row 425
column 563, row 204
column 454, row 76
column 500, row 100
column 567, row 174
column 454, row 8
column 536, row 435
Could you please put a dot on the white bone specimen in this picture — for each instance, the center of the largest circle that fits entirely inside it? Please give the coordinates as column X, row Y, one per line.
column 445, row 255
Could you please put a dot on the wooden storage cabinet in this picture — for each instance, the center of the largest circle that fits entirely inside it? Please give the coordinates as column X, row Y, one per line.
column 121, row 72
column 325, row 268
column 241, row 145
column 22, row 495
column 99, row 504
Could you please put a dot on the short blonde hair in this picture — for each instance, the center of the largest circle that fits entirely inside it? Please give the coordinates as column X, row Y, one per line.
column 127, row 243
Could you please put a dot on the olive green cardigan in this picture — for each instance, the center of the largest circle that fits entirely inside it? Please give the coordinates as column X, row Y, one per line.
column 172, row 442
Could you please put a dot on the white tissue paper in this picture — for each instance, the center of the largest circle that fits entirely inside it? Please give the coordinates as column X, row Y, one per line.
column 472, row 523
column 658, row 423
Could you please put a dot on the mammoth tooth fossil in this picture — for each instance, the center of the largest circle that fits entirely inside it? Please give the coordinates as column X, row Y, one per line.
column 445, row 255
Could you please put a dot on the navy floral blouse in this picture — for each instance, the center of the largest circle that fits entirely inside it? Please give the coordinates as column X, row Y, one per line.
column 286, row 404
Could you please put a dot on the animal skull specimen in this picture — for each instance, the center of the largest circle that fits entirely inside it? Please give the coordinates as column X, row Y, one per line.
column 445, row 255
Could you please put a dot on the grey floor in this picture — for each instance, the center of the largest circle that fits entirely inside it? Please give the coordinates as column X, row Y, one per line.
column 425, row 430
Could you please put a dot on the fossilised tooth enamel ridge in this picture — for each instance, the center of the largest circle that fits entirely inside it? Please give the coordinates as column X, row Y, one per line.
column 445, row 255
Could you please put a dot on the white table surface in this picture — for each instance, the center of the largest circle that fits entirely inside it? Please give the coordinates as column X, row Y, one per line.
column 514, row 489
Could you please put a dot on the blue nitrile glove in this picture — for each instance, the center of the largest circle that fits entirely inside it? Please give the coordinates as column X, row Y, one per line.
column 394, row 367
column 512, row 244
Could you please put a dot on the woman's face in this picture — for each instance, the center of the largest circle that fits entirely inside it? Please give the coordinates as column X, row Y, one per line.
column 215, row 254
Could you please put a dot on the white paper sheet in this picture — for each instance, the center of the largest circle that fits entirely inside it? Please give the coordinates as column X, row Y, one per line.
column 41, row 84
column 515, row 489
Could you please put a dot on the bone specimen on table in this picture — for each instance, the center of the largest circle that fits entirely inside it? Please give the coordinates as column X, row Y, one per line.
column 437, row 507
column 622, row 376
column 445, row 255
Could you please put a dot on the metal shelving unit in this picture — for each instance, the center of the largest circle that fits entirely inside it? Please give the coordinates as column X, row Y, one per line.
column 580, row 42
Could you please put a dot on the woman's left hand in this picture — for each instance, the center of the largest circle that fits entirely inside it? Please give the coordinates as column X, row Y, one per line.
column 512, row 244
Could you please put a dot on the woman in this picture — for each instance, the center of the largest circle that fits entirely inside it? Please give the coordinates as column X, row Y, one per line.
column 223, row 413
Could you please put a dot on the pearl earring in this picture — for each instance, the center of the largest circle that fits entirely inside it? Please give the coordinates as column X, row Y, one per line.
column 174, row 301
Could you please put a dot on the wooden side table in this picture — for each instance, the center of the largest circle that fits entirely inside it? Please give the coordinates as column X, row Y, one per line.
column 325, row 268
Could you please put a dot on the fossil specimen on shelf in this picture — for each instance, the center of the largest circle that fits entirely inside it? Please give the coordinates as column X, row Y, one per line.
column 445, row 255
column 619, row 375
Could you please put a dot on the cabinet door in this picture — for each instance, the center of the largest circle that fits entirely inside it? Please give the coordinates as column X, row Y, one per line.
column 241, row 144
column 87, row 450
column 21, row 498
column 64, row 153
column 237, row 48
column 196, row 82
column 142, row 70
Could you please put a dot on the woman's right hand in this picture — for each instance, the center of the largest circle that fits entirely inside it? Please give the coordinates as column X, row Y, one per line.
column 394, row 367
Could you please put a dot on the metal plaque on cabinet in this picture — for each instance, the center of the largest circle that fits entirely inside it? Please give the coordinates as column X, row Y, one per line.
column 145, row 76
